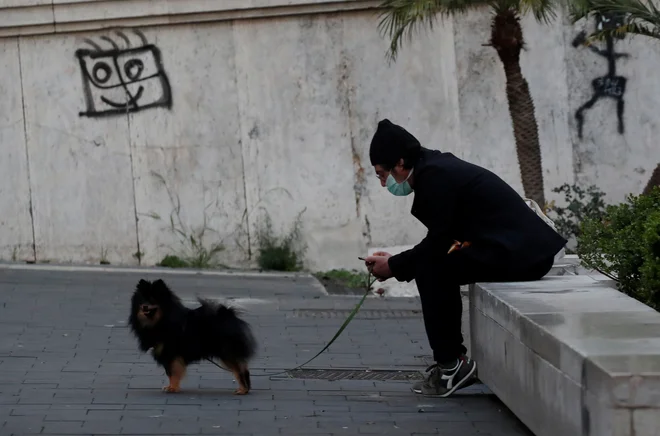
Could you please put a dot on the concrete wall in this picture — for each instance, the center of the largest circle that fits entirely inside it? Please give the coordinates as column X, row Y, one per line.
column 276, row 114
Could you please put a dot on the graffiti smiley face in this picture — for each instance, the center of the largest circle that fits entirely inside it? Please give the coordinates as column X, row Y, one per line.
column 120, row 81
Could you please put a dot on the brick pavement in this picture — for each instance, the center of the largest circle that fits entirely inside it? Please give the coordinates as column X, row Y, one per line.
column 69, row 366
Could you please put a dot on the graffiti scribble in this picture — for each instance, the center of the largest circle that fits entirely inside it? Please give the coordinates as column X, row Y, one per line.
column 609, row 85
column 121, row 80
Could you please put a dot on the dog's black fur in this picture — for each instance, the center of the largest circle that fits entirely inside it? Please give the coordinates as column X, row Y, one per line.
column 180, row 336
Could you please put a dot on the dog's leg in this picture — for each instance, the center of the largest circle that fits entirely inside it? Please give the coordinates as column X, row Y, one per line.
column 175, row 372
column 244, row 374
column 241, row 375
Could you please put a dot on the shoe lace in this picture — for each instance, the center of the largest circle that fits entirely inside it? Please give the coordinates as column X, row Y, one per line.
column 435, row 367
column 434, row 371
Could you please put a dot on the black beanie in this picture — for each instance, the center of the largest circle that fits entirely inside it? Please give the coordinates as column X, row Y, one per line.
column 391, row 143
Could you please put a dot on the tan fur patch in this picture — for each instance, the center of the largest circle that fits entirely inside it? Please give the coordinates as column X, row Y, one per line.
column 177, row 371
column 149, row 322
column 158, row 349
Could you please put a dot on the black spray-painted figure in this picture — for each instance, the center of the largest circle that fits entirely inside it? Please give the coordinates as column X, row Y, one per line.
column 610, row 85
column 122, row 80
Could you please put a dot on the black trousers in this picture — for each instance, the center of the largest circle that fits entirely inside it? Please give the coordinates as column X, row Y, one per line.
column 439, row 282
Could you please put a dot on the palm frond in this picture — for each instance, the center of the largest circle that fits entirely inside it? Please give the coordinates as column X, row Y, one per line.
column 641, row 17
column 401, row 18
column 578, row 9
column 543, row 10
column 626, row 29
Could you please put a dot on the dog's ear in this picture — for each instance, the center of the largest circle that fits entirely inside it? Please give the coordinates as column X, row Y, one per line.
column 160, row 286
column 143, row 285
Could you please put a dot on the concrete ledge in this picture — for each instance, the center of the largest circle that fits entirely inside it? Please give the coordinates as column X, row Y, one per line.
column 156, row 270
column 569, row 355
column 32, row 17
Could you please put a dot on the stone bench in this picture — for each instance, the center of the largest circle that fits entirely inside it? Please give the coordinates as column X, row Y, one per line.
column 569, row 355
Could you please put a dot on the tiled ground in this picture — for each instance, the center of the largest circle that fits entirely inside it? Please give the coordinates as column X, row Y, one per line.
column 69, row 366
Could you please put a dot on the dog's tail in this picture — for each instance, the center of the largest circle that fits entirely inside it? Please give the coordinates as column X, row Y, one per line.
column 234, row 333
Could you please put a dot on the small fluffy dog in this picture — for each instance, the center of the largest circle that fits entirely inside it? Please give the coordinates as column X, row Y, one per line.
column 180, row 336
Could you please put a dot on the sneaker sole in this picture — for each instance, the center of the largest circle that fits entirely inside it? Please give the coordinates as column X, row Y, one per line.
column 461, row 384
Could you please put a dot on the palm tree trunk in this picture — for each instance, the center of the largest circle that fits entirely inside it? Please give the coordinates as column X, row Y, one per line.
column 507, row 39
column 654, row 181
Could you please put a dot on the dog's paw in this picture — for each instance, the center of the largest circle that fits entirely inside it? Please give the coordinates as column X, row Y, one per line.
column 241, row 391
column 171, row 389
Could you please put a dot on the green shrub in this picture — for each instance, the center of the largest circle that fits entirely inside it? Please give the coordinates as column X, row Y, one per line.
column 194, row 249
column 625, row 246
column 350, row 279
column 194, row 255
column 173, row 261
column 581, row 204
column 280, row 254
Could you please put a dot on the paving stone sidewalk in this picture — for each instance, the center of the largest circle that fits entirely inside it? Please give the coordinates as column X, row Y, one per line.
column 69, row 366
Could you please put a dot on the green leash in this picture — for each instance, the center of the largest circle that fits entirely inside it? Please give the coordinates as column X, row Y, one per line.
column 350, row 317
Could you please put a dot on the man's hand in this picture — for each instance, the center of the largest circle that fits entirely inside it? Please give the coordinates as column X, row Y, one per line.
column 378, row 266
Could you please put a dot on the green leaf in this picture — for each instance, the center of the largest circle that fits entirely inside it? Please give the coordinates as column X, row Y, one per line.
column 625, row 245
column 400, row 19
column 640, row 17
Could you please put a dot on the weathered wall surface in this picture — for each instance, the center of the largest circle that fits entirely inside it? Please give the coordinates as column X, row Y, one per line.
column 15, row 224
column 619, row 161
column 242, row 117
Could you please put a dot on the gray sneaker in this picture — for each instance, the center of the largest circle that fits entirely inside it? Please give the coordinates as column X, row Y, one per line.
column 443, row 382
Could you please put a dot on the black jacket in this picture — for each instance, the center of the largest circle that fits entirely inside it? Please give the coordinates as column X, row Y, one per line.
column 457, row 200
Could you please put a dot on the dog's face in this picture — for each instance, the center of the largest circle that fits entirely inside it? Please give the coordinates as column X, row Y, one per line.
column 149, row 302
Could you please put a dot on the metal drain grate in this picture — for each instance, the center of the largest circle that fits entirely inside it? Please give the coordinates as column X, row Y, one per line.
column 347, row 374
column 362, row 314
column 426, row 358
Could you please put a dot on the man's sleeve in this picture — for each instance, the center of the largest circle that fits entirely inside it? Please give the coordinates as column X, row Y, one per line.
column 436, row 194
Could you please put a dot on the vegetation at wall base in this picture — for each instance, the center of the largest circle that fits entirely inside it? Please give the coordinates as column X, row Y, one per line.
column 274, row 257
column 173, row 261
column 202, row 259
column 344, row 282
column 194, row 249
column 581, row 204
column 625, row 245
column 280, row 253
column 104, row 257
column 350, row 279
